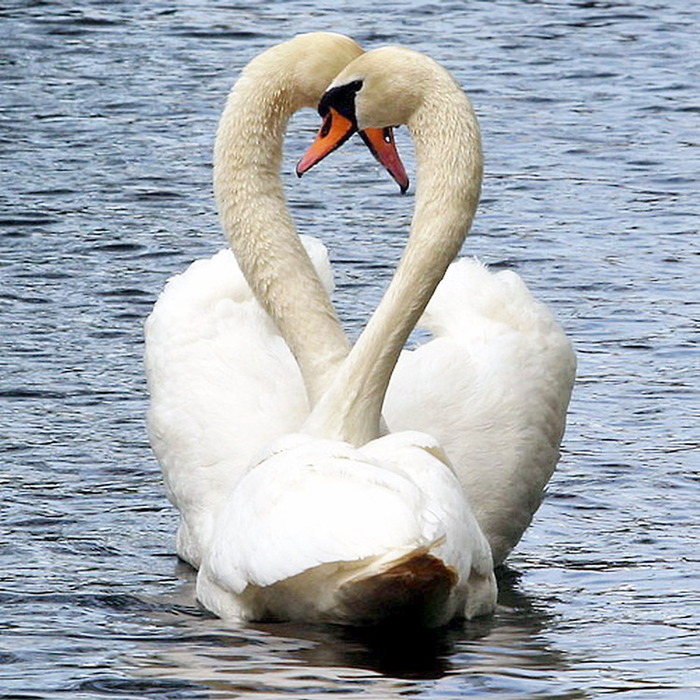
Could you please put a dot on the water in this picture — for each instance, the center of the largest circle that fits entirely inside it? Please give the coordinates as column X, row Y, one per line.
column 590, row 116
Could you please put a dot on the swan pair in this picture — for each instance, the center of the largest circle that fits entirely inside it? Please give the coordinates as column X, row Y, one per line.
column 296, row 502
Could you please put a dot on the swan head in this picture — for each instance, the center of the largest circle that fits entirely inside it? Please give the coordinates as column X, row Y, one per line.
column 380, row 89
column 384, row 87
column 315, row 59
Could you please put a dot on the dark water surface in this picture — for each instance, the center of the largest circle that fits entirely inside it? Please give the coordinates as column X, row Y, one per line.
column 591, row 121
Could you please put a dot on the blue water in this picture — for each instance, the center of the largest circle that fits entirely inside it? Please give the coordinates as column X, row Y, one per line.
column 591, row 120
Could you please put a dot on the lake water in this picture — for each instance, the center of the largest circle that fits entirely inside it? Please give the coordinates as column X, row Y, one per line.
column 591, row 120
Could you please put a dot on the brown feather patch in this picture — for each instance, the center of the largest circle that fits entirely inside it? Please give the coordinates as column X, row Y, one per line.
column 412, row 591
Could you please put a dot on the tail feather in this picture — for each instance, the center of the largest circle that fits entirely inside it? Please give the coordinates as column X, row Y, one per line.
column 413, row 590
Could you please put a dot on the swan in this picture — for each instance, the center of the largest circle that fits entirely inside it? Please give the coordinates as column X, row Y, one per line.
column 493, row 385
column 230, row 368
column 339, row 522
column 225, row 386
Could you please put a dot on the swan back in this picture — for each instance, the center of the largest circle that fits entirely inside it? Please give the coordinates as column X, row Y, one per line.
column 318, row 530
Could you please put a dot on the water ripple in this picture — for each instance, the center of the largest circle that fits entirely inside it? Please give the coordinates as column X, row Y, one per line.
column 589, row 121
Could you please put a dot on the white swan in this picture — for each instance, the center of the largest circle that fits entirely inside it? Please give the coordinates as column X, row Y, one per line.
column 336, row 523
column 223, row 383
column 493, row 385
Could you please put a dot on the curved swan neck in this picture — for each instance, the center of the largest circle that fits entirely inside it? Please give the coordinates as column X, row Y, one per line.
column 449, row 171
column 252, row 207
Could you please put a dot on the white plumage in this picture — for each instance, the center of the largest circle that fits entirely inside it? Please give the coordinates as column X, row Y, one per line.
column 223, row 385
column 267, row 427
column 316, row 529
column 492, row 387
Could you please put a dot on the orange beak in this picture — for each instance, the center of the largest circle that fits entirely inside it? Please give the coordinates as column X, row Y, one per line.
column 381, row 143
column 334, row 132
column 337, row 129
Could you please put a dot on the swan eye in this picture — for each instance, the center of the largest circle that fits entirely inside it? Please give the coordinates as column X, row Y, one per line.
column 326, row 126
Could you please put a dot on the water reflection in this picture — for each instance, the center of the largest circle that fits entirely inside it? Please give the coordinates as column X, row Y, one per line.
column 589, row 121
column 313, row 659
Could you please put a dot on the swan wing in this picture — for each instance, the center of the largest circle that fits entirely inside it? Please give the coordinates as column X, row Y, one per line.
column 492, row 386
column 222, row 384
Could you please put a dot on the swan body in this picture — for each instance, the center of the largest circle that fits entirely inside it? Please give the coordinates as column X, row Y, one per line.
column 321, row 531
column 340, row 523
column 494, row 384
